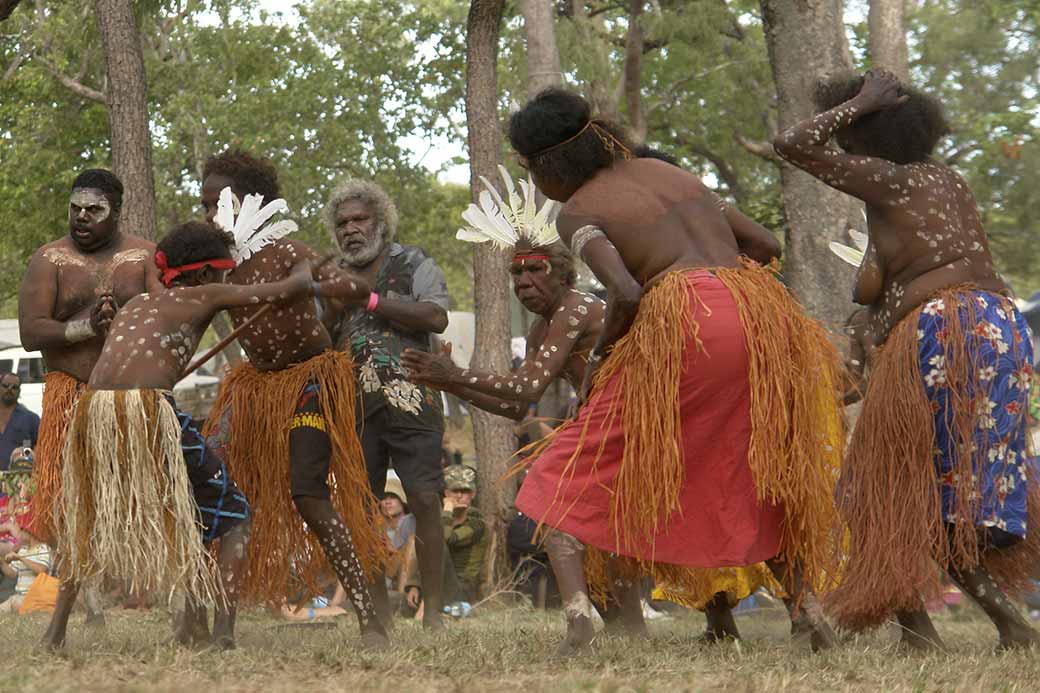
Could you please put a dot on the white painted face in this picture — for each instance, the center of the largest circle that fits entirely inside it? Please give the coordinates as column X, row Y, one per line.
column 88, row 206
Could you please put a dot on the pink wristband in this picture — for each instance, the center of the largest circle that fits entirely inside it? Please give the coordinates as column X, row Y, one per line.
column 373, row 301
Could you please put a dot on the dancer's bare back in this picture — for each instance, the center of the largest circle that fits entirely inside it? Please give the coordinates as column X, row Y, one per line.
column 658, row 217
column 287, row 334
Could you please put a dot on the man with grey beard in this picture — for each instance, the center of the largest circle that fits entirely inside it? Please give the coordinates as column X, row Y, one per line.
column 396, row 419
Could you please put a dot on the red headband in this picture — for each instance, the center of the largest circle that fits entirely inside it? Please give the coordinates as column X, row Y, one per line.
column 171, row 273
column 530, row 256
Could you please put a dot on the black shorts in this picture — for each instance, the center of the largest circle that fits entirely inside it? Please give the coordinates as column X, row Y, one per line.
column 310, row 448
column 221, row 505
column 415, row 455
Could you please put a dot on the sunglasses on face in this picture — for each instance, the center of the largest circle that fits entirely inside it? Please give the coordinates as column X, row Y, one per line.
column 10, row 386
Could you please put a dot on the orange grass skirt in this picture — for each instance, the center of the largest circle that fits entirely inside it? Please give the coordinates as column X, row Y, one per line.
column 256, row 407
column 890, row 495
column 708, row 441
column 60, row 394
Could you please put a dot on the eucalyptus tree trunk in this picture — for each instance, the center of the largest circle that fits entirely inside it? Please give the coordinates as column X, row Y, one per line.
column 806, row 42
column 493, row 435
column 886, row 22
column 127, row 98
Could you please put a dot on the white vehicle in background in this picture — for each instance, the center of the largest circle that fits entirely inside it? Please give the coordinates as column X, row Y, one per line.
column 194, row 394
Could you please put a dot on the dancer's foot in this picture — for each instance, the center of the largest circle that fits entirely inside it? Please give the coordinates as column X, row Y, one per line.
column 1015, row 636
column 817, row 631
column 433, row 621
column 374, row 639
column 579, row 637
column 710, row 637
column 918, row 634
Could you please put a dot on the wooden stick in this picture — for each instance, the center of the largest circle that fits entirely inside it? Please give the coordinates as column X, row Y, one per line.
column 224, row 342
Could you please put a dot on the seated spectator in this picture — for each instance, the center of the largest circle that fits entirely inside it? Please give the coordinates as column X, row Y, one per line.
column 32, row 558
column 464, row 530
column 465, row 538
column 400, row 528
column 19, row 427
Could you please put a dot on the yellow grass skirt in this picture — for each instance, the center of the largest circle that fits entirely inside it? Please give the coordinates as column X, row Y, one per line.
column 257, row 408
column 127, row 510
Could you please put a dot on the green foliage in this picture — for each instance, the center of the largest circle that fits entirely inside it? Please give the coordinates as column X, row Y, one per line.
column 335, row 90
column 327, row 97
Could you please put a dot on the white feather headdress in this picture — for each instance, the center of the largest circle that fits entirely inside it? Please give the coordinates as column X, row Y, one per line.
column 507, row 223
column 248, row 227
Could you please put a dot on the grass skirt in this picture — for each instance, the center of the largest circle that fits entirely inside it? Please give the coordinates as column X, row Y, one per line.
column 791, row 441
column 127, row 510
column 60, row 394
column 256, row 407
column 903, row 521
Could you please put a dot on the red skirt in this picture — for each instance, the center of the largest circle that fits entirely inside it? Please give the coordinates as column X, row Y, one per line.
column 719, row 521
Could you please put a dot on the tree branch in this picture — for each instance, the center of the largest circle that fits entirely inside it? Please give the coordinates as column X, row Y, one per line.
column 71, row 83
column 758, row 148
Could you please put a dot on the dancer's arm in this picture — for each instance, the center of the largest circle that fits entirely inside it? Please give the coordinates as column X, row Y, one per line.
column 754, row 240
column 524, row 385
column 807, row 145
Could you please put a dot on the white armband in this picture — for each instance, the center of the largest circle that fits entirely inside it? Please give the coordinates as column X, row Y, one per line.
column 79, row 331
column 582, row 236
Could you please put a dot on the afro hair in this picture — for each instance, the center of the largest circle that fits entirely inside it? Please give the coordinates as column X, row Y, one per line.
column 105, row 181
column 249, row 175
column 541, row 129
column 903, row 133
column 195, row 241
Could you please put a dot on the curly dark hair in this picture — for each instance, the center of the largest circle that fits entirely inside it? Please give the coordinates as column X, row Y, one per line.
column 902, row 134
column 538, row 130
column 195, row 241
column 248, row 174
column 647, row 152
column 105, row 181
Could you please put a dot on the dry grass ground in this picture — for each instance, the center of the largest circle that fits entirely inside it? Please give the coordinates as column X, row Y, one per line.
column 499, row 649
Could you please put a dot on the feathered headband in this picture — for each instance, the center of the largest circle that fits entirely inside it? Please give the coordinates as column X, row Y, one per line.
column 507, row 224
column 248, row 227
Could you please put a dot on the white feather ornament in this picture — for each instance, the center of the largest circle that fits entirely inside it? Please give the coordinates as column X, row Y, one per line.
column 852, row 255
column 505, row 223
column 247, row 226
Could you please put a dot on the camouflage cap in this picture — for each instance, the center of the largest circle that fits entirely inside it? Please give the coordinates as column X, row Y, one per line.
column 459, row 477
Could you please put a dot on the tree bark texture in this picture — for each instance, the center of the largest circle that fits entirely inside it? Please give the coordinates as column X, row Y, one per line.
column 543, row 57
column 633, row 71
column 887, row 40
column 806, row 41
column 127, row 96
column 492, row 434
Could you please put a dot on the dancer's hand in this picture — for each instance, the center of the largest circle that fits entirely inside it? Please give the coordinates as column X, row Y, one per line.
column 103, row 313
column 880, row 90
column 412, row 596
column 430, row 369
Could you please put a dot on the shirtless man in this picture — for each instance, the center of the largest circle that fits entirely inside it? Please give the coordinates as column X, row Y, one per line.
column 946, row 397
column 671, row 464
column 127, row 407
column 68, row 298
column 285, row 421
